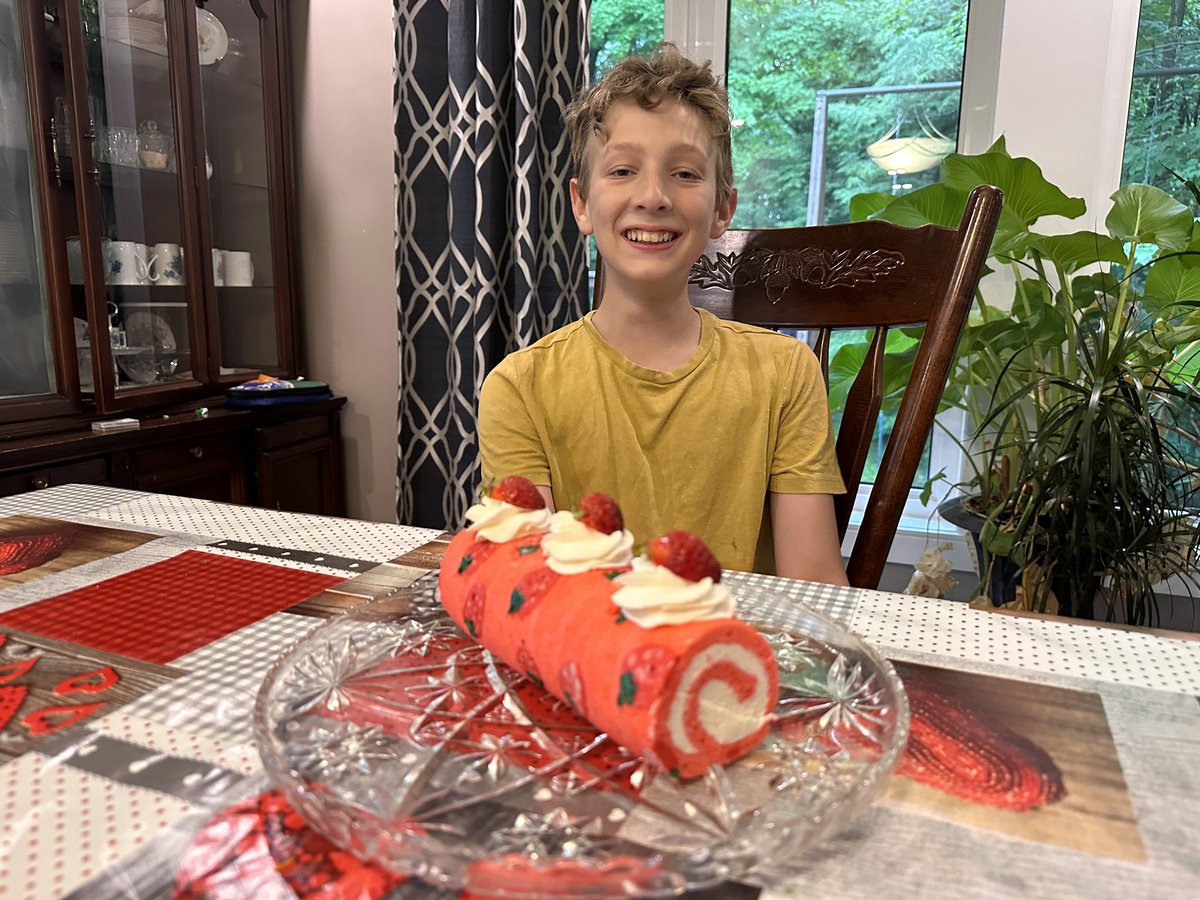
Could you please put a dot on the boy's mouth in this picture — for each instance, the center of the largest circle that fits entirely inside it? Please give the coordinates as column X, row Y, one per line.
column 642, row 236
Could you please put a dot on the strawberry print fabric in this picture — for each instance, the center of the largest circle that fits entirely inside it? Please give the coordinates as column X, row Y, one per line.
column 166, row 609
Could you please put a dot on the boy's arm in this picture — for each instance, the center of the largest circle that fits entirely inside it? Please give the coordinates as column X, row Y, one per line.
column 805, row 535
column 509, row 442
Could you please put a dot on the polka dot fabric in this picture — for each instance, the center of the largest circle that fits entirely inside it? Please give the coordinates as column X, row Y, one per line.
column 64, row 826
column 374, row 541
column 238, row 757
column 957, row 632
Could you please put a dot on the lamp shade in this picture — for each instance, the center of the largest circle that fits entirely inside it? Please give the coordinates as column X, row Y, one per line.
column 913, row 154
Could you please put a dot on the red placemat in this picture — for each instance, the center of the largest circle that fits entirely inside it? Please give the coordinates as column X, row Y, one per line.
column 169, row 608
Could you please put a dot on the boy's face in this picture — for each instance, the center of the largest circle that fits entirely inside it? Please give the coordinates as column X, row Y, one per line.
column 652, row 195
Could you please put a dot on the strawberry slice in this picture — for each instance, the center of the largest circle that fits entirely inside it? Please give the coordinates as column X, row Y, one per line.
column 600, row 513
column 519, row 492
column 685, row 555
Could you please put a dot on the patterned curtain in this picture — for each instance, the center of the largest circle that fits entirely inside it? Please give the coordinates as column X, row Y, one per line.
column 488, row 256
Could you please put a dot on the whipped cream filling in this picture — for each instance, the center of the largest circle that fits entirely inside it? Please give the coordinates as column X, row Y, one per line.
column 497, row 521
column 653, row 595
column 572, row 547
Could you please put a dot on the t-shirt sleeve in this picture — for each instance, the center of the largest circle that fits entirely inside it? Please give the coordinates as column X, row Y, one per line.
column 509, row 439
column 805, row 460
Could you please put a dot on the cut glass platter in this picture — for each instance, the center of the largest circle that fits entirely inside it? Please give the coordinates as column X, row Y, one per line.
column 403, row 741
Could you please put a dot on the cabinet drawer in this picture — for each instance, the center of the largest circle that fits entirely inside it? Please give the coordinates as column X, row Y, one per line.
column 273, row 436
column 85, row 471
column 181, row 461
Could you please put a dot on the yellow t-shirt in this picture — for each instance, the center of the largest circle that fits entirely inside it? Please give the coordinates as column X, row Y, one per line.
column 698, row 448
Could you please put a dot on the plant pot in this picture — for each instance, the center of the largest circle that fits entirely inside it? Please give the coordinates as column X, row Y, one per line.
column 997, row 581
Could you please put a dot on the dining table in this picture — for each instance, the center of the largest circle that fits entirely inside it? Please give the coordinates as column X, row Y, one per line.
column 136, row 630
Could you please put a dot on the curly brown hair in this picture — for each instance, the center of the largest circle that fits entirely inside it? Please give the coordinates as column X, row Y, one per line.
column 665, row 74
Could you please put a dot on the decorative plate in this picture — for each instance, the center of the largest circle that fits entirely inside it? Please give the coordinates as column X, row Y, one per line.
column 402, row 740
column 211, row 36
column 147, row 329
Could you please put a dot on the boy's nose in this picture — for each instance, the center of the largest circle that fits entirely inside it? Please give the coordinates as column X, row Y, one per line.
column 653, row 193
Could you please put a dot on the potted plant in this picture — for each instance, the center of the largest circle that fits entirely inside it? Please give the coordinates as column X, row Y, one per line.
column 1081, row 391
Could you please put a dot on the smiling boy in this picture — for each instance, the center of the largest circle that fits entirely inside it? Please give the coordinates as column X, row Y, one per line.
column 687, row 420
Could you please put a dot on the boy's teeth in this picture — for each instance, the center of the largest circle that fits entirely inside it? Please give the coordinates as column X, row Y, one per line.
column 649, row 237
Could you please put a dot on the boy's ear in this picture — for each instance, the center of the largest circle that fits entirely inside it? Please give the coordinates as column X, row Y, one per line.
column 579, row 207
column 722, row 216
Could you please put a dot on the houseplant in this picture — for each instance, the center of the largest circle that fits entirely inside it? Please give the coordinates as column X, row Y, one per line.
column 1080, row 391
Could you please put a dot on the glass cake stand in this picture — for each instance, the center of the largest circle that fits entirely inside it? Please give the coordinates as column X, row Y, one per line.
column 403, row 741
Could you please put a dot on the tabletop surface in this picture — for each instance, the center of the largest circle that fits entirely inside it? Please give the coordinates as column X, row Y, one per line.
column 135, row 631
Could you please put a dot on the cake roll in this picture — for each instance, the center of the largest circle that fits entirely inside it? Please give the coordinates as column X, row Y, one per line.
column 653, row 658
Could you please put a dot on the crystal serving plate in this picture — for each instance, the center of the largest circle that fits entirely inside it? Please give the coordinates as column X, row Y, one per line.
column 403, row 741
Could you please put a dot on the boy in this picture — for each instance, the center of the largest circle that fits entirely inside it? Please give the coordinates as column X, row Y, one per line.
column 688, row 421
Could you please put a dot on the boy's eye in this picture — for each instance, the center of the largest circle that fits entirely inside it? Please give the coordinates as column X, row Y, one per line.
column 621, row 171
column 687, row 175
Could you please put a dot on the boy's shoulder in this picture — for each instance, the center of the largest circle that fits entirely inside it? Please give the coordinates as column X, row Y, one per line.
column 557, row 342
column 764, row 339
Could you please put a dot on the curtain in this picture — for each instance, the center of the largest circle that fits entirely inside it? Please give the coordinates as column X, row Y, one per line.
column 488, row 255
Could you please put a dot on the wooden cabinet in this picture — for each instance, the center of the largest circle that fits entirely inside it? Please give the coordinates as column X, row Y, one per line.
column 286, row 458
column 146, row 250
column 147, row 253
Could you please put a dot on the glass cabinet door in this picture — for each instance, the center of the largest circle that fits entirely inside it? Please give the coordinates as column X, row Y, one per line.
column 27, row 358
column 231, row 37
column 139, row 262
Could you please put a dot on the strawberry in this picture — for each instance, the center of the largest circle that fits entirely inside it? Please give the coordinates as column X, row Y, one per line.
column 685, row 555
column 519, row 492
column 600, row 513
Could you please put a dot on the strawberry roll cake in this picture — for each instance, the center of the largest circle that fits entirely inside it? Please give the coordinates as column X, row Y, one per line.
column 647, row 649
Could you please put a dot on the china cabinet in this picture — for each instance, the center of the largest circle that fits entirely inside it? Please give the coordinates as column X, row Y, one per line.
column 146, row 247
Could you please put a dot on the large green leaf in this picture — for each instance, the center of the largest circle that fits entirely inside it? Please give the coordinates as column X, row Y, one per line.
column 844, row 365
column 864, row 206
column 1071, row 252
column 1027, row 193
column 934, row 204
column 1148, row 215
column 1171, row 281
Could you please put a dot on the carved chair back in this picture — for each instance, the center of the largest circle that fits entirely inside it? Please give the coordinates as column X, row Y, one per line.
column 862, row 276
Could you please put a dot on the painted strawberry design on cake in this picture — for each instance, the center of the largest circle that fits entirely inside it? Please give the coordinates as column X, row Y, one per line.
column 473, row 609
column 643, row 673
column 530, row 590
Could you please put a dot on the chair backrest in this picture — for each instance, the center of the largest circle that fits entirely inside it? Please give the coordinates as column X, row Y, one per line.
column 864, row 275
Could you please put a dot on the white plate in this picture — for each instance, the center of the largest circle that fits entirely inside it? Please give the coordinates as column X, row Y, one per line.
column 211, row 36
column 147, row 329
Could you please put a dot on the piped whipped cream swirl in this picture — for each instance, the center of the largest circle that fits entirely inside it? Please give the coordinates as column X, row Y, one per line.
column 653, row 595
column 572, row 547
column 497, row 521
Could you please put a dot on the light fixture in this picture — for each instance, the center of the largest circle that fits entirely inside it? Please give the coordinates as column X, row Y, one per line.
column 902, row 155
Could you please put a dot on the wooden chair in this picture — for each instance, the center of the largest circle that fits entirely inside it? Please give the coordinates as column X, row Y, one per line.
column 865, row 275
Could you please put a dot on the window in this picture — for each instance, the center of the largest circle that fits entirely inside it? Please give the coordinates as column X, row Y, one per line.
column 1164, row 103
column 1054, row 78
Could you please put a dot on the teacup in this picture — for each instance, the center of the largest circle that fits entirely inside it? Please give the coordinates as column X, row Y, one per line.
column 126, row 263
column 239, row 268
column 166, row 264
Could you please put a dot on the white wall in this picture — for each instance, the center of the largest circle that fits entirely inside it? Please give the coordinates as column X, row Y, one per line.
column 343, row 60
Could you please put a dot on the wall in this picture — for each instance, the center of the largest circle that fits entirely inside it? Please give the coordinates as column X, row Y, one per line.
column 342, row 67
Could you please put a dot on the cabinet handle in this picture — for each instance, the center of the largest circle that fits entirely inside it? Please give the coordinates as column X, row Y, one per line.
column 196, row 452
column 39, row 481
column 89, row 137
